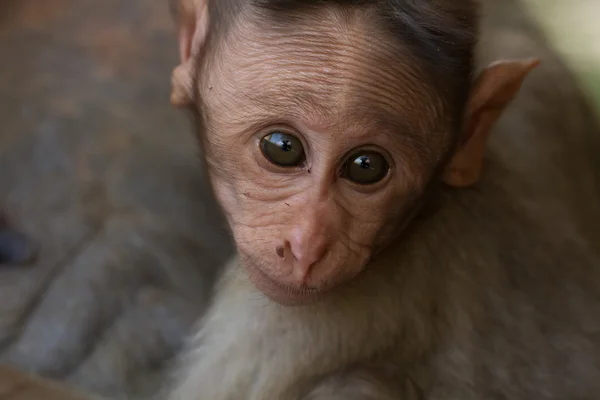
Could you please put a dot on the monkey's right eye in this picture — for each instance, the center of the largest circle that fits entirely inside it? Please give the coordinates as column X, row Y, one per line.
column 282, row 149
column 365, row 167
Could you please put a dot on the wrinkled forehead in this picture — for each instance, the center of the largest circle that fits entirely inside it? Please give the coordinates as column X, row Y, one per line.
column 329, row 65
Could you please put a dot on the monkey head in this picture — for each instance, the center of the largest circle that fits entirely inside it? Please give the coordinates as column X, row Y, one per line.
column 324, row 122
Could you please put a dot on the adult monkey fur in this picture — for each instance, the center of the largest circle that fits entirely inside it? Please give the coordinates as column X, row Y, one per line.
column 328, row 127
column 552, row 109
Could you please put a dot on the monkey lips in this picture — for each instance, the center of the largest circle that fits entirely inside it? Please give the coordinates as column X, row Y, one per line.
column 283, row 294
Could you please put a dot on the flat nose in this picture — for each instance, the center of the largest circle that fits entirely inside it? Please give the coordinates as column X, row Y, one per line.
column 308, row 244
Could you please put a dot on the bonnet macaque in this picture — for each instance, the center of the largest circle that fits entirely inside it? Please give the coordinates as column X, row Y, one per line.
column 415, row 203
column 396, row 238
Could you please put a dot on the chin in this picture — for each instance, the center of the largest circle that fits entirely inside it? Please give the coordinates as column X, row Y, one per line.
column 279, row 293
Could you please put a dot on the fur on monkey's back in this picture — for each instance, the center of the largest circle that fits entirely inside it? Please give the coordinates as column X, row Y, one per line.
column 536, row 215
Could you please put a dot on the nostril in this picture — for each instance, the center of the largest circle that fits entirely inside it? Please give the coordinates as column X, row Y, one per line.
column 287, row 246
column 280, row 251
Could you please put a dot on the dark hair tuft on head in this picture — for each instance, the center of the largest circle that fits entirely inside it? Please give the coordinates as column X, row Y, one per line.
column 441, row 33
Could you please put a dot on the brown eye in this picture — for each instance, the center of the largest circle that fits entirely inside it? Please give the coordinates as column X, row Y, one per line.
column 282, row 149
column 365, row 167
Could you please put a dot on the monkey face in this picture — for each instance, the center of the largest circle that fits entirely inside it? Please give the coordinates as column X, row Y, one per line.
column 314, row 148
column 322, row 128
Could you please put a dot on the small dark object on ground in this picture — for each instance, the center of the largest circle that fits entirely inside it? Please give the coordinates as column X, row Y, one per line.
column 16, row 248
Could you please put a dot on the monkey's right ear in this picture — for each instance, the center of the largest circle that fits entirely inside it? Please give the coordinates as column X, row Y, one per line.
column 192, row 27
column 493, row 91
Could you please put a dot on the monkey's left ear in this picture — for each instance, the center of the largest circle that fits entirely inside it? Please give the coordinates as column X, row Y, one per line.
column 493, row 91
column 192, row 24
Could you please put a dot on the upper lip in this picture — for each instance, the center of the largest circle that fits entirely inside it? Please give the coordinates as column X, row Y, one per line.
column 291, row 291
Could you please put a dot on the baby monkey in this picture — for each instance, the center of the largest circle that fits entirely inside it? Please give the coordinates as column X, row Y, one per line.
column 376, row 257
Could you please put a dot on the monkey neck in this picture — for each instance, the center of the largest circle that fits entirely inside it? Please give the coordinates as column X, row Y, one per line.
column 249, row 343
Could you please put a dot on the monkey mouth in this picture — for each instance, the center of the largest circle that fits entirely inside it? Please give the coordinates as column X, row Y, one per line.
column 285, row 295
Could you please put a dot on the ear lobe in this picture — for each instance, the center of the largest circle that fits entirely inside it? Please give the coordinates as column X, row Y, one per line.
column 493, row 91
column 192, row 24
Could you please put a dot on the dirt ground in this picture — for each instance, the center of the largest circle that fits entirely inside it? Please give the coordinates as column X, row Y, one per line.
column 573, row 28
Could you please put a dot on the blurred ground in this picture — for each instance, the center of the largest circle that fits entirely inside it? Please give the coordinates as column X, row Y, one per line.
column 104, row 174
column 572, row 26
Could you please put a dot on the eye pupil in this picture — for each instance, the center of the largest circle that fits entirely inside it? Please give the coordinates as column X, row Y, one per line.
column 285, row 145
column 365, row 167
column 364, row 162
column 282, row 149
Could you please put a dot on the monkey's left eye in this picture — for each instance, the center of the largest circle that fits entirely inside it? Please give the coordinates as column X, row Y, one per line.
column 282, row 149
column 365, row 167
